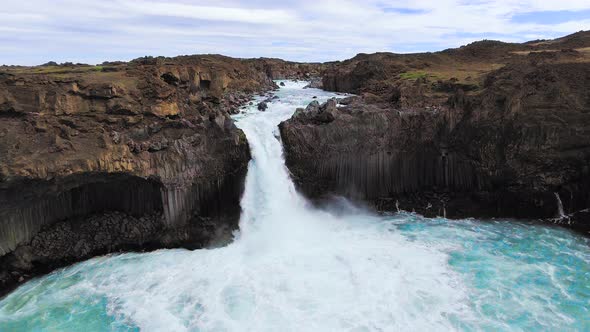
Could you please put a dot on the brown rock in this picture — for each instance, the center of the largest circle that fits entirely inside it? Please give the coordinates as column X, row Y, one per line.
column 130, row 140
column 165, row 109
column 498, row 141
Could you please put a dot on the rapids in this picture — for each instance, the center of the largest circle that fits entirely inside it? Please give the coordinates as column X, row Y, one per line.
column 292, row 267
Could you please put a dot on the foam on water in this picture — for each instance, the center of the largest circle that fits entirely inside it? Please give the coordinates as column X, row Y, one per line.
column 296, row 268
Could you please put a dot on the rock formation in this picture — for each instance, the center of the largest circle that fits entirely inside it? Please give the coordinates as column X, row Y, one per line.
column 279, row 69
column 138, row 155
column 262, row 106
column 487, row 130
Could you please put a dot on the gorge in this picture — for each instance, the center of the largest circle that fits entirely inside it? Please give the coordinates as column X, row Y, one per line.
column 175, row 153
column 294, row 267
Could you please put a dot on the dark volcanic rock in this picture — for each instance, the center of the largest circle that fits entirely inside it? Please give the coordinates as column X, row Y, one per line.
column 262, row 106
column 80, row 238
column 316, row 113
column 502, row 149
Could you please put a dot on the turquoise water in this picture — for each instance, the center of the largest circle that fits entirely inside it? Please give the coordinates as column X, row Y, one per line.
column 520, row 276
column 517, row 277
column 292, row 267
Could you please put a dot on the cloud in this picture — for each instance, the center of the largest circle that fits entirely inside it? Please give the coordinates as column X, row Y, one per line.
column 36, row 31
column 245, row 15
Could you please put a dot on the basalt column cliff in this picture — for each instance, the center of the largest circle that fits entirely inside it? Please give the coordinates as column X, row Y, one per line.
column 139, row 155
column 490, row 129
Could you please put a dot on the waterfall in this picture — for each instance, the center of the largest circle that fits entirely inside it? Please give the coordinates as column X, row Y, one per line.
column 560, row 212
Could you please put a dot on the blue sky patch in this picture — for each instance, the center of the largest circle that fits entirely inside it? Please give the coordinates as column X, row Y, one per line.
column 551, row 17
column 405, row 11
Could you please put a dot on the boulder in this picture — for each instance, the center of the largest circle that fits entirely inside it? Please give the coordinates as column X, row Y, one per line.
column 315, row 83
column 317, row 113
column 262, row 106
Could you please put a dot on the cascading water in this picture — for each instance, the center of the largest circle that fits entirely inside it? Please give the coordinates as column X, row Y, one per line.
column 296, row 268
column 560, row 211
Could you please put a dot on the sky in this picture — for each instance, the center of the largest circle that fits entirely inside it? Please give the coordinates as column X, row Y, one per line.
column 33, row 32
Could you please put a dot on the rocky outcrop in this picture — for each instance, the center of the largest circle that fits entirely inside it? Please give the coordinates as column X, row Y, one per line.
column 262, row 106
column 496, row 145
column 150, row 140
column 316, row 113
column 315, row 82
column 279, row 69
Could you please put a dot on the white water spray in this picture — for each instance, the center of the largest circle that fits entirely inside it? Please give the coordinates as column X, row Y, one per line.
column 560, row 211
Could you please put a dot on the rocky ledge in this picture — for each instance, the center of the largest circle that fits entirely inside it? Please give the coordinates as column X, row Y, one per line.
column 122, row 156
column 487, row 130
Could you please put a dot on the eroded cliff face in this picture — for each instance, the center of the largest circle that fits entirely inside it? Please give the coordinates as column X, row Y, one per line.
column 279, row 69
column 498, row 143
column 135, row 155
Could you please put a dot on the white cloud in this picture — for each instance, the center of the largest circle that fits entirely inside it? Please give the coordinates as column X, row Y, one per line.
column 36, row 31
column 245, row 15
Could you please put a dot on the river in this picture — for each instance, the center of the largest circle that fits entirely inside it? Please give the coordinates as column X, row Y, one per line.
column 292, row 267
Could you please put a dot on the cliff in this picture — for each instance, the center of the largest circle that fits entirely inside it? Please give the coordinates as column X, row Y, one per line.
column 487, row 130
column 138, row 155
column 279, row 69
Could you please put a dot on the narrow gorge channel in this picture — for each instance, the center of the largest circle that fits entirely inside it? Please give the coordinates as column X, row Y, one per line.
column 294, row 267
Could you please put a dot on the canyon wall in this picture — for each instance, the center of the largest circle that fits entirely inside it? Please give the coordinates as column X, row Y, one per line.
column 279, row 69
column 487, row 130
column 138, row 155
